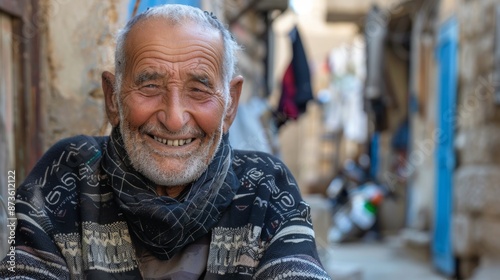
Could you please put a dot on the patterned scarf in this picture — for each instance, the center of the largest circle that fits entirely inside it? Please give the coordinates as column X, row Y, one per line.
column 161, row 224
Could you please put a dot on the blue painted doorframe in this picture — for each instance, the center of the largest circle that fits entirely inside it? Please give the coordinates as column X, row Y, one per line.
column 447, row 61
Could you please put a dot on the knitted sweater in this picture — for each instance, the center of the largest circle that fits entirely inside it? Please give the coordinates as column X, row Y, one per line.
column 69, row 225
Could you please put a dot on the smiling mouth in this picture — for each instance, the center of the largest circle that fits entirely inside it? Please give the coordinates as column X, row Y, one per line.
column 173, row 143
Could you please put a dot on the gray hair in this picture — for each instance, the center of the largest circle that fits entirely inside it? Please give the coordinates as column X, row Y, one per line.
column 175, row 14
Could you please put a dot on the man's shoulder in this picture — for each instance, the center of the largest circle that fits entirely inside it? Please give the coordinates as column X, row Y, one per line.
column 257, row 168
column 77, row 141
column 65, row 155
column 256, row 158
column 76, row 146
column 76, row 149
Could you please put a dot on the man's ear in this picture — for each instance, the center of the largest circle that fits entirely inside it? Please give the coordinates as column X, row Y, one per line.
column 235, row 87
column 110, row 98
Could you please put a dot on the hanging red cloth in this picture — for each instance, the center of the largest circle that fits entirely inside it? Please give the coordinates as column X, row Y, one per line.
column 296, row 88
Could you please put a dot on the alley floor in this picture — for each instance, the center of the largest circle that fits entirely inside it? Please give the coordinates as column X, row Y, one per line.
column 388, row 260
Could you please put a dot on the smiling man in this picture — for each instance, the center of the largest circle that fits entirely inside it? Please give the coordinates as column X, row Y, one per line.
column 164, row 196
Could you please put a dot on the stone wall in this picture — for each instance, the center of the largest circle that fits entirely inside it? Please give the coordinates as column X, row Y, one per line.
column 477, row 211
column 77, row 45
column 423, row 140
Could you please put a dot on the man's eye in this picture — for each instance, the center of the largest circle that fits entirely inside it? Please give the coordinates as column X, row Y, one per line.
column 150, row 89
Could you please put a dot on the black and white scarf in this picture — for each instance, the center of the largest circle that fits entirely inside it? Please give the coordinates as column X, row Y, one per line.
column 161, row 224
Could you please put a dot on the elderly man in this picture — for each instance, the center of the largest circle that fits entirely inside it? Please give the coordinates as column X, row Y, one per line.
column 164, row 196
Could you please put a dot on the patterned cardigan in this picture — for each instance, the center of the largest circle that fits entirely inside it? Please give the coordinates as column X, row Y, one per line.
column 65, row 231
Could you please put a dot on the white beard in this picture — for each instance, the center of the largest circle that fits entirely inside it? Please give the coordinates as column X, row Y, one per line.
column 142, row 159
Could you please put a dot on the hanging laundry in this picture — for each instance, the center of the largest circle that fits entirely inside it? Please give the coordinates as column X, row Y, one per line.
column 376, row 89
column 354, row 116
column 296, row 88
column 344, row 107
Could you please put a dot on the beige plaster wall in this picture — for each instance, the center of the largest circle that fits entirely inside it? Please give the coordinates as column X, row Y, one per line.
column 478, row 125
column 78, row 44
column 447, row 9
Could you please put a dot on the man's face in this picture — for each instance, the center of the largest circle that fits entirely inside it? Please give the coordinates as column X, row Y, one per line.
column 171, row 100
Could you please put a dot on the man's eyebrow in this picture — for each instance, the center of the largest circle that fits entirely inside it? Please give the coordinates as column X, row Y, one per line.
column 202, row 79
column 145, row 76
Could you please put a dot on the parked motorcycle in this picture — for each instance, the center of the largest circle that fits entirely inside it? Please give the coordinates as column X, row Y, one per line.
column 355, row 202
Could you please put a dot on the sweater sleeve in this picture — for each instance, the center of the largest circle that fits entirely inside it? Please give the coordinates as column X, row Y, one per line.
column 33, row 253
column 291, row 252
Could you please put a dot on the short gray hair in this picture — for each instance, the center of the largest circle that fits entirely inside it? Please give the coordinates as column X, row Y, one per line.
column 174, row 14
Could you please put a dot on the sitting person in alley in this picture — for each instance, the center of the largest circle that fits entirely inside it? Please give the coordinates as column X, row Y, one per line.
column 164, row 196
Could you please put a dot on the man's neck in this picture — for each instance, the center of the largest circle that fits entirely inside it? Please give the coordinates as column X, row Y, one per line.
column 173, row 192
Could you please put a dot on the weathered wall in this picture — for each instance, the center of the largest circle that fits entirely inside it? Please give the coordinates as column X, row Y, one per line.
column 477, row 211
column 422, row 181
column 7, row 145
column 392, row 213
column 78, row 44
column 447, row 9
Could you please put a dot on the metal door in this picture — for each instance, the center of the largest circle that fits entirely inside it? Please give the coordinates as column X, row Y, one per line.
column 446, row 52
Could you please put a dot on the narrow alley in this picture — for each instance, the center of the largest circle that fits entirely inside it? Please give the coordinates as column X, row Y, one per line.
column 388, row 260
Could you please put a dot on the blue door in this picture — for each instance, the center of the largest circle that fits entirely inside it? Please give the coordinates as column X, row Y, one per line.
column 447, row 50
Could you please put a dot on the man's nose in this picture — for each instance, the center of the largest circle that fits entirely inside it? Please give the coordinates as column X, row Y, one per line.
column 173, row 114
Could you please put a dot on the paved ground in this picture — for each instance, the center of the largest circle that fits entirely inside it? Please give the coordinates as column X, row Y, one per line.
column 387, row 260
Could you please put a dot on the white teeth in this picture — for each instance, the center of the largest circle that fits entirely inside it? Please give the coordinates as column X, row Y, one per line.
column 175, row 143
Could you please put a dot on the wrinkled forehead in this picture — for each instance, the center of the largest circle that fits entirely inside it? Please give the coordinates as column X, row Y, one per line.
column 173, row 33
